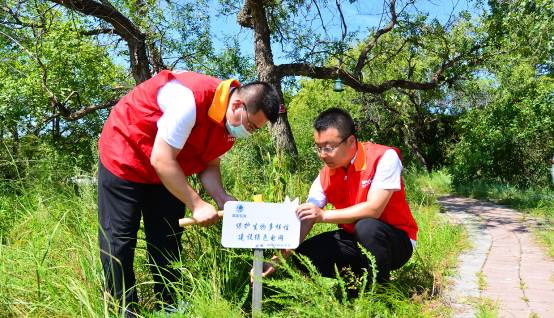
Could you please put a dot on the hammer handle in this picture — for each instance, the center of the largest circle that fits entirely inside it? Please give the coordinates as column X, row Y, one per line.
column 190, row 221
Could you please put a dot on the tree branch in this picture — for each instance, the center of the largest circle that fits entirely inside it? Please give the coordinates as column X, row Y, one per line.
column 99, row 31
column 350, row 79
column 371, row 44
column 320, row 16
column 72, row 116
column 89, row 109
column 17, row 20
column 244, row 18
column 124, row 27
column 343, row 26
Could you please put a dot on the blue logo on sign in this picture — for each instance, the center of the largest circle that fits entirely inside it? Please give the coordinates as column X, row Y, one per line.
column 240, row 208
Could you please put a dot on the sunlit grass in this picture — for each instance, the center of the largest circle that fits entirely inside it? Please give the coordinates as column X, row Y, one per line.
column 50, row 266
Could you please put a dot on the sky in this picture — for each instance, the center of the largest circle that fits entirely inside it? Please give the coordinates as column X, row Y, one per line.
column 360, row 15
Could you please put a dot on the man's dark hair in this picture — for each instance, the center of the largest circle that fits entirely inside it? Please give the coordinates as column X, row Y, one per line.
column 261, row 96
column 336, row 118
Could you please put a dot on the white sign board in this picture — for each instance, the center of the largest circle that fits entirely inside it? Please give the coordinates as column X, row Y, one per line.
column 260, row 225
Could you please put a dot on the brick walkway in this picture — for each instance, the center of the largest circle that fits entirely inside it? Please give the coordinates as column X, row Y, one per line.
column 504, row 264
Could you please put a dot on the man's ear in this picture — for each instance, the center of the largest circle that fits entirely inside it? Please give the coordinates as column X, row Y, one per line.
column 236, row 103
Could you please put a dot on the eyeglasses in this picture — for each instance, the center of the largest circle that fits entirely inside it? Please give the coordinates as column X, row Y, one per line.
column 250, row 125
column 329, row 149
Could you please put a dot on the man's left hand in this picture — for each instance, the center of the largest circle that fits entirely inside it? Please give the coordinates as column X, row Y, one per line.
column 309, row 211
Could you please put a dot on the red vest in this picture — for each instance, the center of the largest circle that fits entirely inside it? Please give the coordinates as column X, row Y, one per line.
column 347, row 188
column 128, row 135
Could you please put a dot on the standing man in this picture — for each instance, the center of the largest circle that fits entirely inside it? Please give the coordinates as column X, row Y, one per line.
column 363, row 183
column 171, row 126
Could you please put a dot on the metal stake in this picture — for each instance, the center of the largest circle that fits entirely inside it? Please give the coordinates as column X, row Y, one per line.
column 258, row 266
column 257, row 284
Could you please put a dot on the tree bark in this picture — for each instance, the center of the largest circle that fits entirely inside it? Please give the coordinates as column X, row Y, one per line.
column 413, row 145
column 280, row 130
column 15, row 137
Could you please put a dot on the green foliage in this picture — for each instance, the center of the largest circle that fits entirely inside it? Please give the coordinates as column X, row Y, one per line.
column 254, row 167
column 507, row 137
column 510, row 139
column 420, row 123
column 33, row 158
column 49, row 264
column 523, row 26
column 55, row 65
column 230, row 63
column 314, row 97
column 423, row 188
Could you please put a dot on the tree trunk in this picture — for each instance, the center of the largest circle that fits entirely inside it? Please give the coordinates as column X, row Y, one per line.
column 123, row 26
column 15, row 137
column 412, row 143
column 280, row 131
column 139, row 61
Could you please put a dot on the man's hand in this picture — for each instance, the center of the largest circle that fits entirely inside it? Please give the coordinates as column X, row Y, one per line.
column 267, row 269
column 310, row 212
column 205, row 214
column 271, row 266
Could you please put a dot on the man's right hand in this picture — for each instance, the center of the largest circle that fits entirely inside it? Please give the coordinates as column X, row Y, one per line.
column 205, row 214
column 267, row 269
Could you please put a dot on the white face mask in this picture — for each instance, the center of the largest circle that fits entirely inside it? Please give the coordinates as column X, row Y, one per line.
column 237, row 131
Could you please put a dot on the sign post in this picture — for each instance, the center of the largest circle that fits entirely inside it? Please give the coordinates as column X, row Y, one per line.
column 257, row 277
column 257, row 283
column 260, row 225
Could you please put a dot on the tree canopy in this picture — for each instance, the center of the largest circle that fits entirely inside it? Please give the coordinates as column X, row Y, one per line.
column 411, row 76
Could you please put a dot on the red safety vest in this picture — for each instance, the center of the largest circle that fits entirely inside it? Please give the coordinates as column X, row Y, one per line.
column 128, row 135
column 345, row 188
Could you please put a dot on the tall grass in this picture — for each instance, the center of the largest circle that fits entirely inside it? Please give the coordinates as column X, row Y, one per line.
column 49, row 259
column 49, row 256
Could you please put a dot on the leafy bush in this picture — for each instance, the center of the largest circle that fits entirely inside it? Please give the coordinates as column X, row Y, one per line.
column 509, row 140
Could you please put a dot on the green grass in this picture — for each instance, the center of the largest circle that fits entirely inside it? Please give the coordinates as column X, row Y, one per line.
column 538, row 203
column 481, row 281
column 486, row 308
column 50, row 267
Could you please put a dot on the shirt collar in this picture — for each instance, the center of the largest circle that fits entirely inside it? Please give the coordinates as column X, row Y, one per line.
column 358, row 161
column 218, row 108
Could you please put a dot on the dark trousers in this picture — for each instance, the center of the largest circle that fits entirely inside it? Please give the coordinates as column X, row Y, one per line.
column 390, row 246
column 121, row 204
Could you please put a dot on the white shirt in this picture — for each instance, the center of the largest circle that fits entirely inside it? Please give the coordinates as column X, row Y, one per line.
column 387, row 176
column 177, row 103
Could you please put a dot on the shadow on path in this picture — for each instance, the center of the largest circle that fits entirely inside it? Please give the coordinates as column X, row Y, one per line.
column 515, row 271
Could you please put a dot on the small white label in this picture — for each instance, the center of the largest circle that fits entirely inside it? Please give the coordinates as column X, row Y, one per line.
column 260, row 225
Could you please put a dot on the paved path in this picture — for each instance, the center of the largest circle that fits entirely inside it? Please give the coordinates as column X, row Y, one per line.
column 515, row 271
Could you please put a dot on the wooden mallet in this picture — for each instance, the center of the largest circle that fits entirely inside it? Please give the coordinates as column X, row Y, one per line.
column 191, row 221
